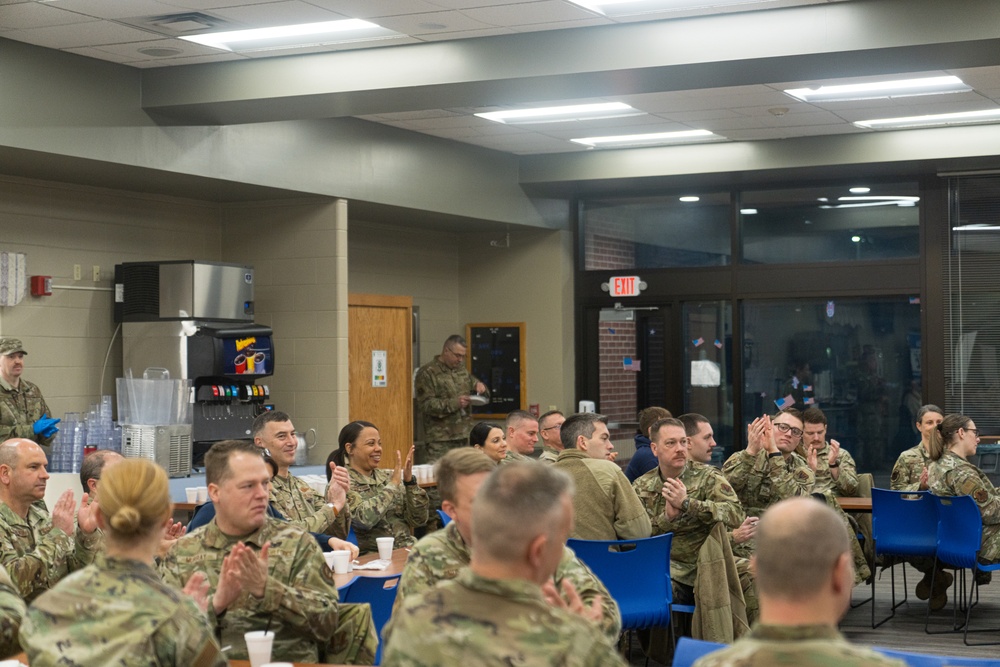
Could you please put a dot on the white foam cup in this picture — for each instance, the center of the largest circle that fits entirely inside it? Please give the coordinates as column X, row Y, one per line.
column 259, row 647
column 385, row 545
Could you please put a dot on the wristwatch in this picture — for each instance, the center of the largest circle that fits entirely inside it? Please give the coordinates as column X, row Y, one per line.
column 336, row 512
column 685, row 505
column 835, row 465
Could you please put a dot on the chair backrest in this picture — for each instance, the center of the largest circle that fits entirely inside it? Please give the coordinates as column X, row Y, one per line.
column 688, row 650
column 352, row 537
column 628, row 569
column 380, row 593
column 445, row 519
column 915, row 659
column 904, row 523
column 960, row 530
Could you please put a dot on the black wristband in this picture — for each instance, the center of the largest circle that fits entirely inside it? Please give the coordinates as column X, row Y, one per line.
column 411, row 482
column 773, row 454
column 835, row 465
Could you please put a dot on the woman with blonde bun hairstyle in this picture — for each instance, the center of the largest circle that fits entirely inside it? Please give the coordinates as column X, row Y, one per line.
column 118, row 611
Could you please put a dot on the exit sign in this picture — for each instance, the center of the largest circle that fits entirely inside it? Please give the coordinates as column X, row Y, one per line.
column 625, row 285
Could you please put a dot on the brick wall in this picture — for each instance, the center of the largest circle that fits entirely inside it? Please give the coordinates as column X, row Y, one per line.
column 607, row 244
column 618, row 386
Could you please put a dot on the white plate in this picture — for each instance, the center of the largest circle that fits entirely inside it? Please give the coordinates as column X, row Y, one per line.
column 478, row 399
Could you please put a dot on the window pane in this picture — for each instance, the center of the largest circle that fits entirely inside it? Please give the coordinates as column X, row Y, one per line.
column 656, row 232
column 831, row 224
column 708, row 383
column 856, row 359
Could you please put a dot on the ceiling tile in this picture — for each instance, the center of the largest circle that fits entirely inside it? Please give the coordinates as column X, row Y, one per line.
column 371, row 9
column 423, row 24
column 290, row 12
column 546, row 11
column 201, row 5
column 94, row 33
column 116, row 9
column 30, row 15
column 465, row 34
column 563, row 25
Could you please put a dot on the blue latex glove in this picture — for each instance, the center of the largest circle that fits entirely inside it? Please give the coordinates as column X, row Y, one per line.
column 46, row 426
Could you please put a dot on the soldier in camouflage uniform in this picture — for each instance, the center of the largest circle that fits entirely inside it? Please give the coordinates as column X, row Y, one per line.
column 38, row 549
column 804, row 577
column 836, row 473
column 687, row 499
column 23, row 411
column 441, row 555
column 521, row 429
column 769, row 470
column 911, row 474
column 911, row 469
column 549, row 425
column 118, row 612
column 497, row 612
column 383, row 503
column 293, row 497
column 263, row 572
column 11, row 613
column 442, row 388
column 951, row 474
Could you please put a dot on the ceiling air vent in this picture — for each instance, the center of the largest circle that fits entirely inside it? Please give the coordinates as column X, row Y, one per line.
column 182, row 24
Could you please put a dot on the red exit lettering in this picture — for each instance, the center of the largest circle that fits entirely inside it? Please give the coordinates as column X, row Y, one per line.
column 624, row 285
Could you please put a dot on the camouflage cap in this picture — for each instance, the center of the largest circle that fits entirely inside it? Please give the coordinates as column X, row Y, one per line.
column 10, row 346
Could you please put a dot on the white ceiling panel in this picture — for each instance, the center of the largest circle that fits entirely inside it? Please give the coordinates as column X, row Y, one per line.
column 93, row 33
column 290, row 12
column 445, row 35
column 30, row 15
column 564, row 25
column 526, row 13
column 117, row 9
column 364, row 9
column 431, row 23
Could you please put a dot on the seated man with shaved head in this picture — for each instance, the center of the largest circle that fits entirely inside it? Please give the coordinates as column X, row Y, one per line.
column 805, row 573
column 38, row 549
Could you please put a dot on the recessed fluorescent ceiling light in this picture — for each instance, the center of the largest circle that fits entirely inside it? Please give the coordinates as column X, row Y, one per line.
column 959, row 118
column 748, row 211
column 977, row 227
column 652, row 139
column 628, row 7
column 860, row 190
column 291, row 36
column 563, row 114
column 934, row 85
column 875, row 200
column 690, row 198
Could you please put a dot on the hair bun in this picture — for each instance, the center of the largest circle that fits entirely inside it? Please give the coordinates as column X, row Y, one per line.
column 127, row 520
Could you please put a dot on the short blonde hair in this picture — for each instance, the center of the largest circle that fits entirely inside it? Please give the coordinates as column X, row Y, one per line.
column 135, row 498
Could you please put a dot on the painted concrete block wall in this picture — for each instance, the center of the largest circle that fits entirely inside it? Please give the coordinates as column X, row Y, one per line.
column 299, row 252
column 67, row 335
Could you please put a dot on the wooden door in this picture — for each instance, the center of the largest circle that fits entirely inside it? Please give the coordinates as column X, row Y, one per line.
column 379, row 324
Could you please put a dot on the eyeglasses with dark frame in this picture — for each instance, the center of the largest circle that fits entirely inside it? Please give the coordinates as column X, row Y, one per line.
column 788, row 428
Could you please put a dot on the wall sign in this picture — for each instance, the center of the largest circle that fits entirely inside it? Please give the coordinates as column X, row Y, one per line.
column 379, row 368
column 624, row 286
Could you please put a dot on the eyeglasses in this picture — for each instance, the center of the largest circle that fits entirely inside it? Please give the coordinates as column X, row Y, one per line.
column 788, row 428
column 549, row 428
column 973, row 430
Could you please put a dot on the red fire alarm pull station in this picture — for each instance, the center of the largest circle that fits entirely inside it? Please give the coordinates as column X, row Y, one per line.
column 41, row 285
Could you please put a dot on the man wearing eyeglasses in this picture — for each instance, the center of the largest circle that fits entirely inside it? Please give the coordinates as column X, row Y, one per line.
column 549, row 426
column 769, row 470
column 443, row 389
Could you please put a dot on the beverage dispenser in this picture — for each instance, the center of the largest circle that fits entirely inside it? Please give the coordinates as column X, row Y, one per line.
column 195, row 319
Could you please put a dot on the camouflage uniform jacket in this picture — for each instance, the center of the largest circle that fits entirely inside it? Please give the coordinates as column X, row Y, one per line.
column 801, row 645
column 846, row 483
column 37, row 554
column 437, row 389
column 12, row 610
column 472, row 620
column 382, row 509
column 302, row 506
column 513, row 456
column 908, row 469
column 19, row 409
column 441, row 555
column 118, row 613
column 549, row 454
column 300, row 597
column 762, row 480
column 712, row 501
column 951, row 475
column 605, row 506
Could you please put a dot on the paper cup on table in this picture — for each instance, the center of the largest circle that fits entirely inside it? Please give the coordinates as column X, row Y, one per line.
column 385, row 545
column 279, row 664
column 328, row 557
column 259, row 647
column 202, row 494
column 341, row 561
column 192, row 494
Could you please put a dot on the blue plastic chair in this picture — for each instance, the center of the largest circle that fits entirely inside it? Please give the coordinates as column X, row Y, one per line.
column 627, row 568
column 445, row 519
column 688, row 650
column 351, row 537
column 904, row 523
column 959, row 536
column 380, row 593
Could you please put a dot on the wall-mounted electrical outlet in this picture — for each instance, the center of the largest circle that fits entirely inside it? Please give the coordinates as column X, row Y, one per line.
column 76, row 272
column 97, row 273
